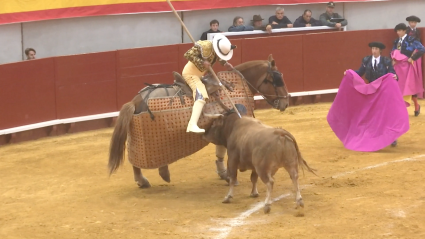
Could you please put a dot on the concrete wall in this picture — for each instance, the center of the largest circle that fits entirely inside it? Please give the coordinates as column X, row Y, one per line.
column 10, row 43
column 105, row 33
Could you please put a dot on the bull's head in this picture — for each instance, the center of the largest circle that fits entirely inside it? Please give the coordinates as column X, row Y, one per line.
column 215, row 133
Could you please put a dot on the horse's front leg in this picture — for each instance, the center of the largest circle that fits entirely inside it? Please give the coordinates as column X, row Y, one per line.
column 220, row 152
column 140, row 180
column 164, row 173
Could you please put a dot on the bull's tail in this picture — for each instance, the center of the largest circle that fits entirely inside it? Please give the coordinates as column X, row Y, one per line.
column 301, row 160
column 119, row 137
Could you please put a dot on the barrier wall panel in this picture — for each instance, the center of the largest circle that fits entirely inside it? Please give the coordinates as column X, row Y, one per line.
column 152, row 65
column 27, row 93
column 287, row 52
column 328, row 55
column 85, row 84
column 386, row 36
column 280, row 34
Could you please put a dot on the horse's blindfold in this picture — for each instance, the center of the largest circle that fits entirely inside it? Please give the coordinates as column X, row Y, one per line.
column 277, row 78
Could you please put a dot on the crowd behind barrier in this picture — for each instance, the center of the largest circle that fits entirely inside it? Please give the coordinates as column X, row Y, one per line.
column 65, row 87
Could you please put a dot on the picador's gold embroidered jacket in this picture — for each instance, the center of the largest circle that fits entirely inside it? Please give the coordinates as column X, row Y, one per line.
column 201, row 51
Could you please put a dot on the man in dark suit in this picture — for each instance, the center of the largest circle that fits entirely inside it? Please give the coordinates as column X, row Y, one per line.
column 213, row 29
column 412, row 30
column 306, row 20
column 376, row 66
column 329, row 14
column 280, row 20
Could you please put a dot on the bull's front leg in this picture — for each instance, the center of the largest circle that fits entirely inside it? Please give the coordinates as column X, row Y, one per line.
column 220, row 152
column 254, row 179
column 267, row 179
column 232, row 165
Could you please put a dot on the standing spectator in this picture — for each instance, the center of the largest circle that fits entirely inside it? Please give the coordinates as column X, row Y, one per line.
column 213, row 29
column 405, row 53
column 257, row 23
column 412, row 30
column 30, row 53
column 238, row 25
column 329, row 14
column 280, row 20
column 306, row 20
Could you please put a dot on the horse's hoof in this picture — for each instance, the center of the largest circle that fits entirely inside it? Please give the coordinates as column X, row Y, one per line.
column 267, row 208
column 226, row 200
column 165, row 174
column 222, row 174
column 254, row 195
column 145, row 183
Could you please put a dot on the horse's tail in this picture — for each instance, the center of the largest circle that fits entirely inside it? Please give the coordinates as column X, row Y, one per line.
column 119, row 137
column 301, row 160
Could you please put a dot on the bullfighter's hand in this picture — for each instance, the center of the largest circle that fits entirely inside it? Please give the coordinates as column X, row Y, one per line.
column 308, row 25
column 394, row 62
column 289, row 25
column 338, row 25
column 345, row 72
column 395, row 76
column 228, row 66
column 410, row 60
column 207, row 64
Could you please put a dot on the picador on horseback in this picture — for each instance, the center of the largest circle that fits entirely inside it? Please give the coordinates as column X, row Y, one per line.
column 200, row 57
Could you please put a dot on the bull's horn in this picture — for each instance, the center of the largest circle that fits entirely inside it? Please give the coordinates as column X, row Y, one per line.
column 213, row 115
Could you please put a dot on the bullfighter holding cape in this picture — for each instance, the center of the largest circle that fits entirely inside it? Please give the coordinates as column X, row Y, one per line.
column 406, row 53
column 369, row 116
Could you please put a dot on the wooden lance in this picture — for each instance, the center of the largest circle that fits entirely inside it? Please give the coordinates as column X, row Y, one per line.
column 209, row 68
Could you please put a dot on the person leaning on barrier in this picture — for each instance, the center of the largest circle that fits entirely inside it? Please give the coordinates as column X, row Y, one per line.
column 238, row 25
column 279, row 20
column 30, row 53
column 306, row 20
column 257, row 23
column 412, row 30
column 213, row 29
column 326, row 17
column 200, row 57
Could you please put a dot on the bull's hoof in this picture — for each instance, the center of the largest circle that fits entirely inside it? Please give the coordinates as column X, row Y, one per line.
column 227, row 199
column 267, row 208
column 164, row 173
column 254, row 195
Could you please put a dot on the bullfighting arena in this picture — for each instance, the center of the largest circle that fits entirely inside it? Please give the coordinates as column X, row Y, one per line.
column 58, row 187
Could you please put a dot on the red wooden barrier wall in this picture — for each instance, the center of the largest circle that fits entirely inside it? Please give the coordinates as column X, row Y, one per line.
column 71, row 86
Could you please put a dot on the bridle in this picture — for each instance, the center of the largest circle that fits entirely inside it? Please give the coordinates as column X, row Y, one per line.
column 277, row 82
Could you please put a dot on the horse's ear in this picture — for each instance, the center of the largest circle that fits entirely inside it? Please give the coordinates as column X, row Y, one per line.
column 271, row 58
column 273, row 63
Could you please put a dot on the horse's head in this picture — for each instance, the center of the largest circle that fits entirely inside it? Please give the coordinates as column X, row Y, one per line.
column 273, row 87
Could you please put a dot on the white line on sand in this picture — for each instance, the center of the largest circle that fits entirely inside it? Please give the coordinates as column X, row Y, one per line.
column 227, row 226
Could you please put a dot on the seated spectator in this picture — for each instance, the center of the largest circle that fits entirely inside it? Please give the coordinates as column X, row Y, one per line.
column 238, row 26
column 30, row 53
column 213, row 29
column 326, row 17
column 280, row 20
column 257, row 23
column 306, row 20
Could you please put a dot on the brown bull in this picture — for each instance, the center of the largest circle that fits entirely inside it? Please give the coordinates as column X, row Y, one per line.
column 260, row 148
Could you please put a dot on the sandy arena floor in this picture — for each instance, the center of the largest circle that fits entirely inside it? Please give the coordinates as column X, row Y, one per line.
column 58, row 187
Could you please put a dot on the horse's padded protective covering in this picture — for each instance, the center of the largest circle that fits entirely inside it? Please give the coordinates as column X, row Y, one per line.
column 162, row 141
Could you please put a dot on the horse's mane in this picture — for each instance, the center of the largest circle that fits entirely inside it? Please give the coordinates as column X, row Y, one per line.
column 249, row 64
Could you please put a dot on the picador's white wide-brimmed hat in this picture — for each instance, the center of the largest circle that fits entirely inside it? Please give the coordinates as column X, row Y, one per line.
column 222, row 47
